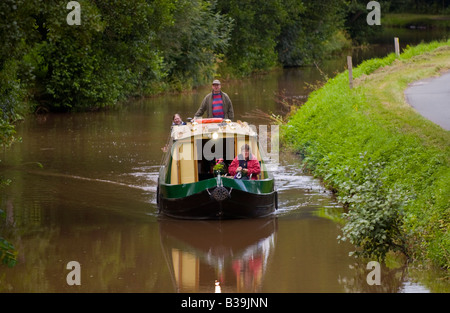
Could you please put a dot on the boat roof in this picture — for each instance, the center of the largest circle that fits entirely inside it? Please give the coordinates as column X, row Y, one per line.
column 225, row 128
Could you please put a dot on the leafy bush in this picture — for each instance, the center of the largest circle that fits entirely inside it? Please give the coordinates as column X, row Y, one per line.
column 375, row 215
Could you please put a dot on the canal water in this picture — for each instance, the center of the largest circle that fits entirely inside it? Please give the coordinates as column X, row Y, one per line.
column 83, row 189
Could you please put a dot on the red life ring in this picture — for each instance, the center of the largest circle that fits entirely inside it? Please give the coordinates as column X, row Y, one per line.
column 209, row 120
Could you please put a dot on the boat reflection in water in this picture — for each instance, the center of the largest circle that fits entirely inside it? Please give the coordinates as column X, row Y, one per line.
column 230, row 254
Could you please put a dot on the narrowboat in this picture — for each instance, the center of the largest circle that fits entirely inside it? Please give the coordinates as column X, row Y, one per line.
column 191, row 186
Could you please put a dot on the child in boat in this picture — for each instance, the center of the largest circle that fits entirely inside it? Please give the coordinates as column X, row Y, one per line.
column 176, row 120
column 245, row 165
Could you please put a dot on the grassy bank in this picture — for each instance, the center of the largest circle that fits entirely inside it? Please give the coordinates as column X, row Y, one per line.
column 410, row 20
column 389, row 166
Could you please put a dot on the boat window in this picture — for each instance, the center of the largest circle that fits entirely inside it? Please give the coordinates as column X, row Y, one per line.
column 208, row 151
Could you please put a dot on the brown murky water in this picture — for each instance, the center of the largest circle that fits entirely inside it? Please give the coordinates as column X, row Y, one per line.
column 83, row 189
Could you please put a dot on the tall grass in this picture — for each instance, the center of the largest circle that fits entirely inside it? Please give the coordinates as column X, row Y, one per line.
column 368, row 146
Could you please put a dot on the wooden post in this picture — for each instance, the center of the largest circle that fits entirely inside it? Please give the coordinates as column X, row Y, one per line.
column 397, row 46
column 350, row 71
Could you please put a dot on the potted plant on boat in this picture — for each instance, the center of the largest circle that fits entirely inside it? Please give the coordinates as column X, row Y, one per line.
column 220, row 168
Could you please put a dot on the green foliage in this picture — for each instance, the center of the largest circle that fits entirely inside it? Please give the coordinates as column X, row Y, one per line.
column 374, row 217
column 15, row 19
column 356, row 21
column 11, row 94
column 394, row 187
column 307, row 29
column 418, row 6
column 138, row 47
column 253, row 38
column 121, row 49
column 7, row 133
column 286, row 32
column 369, row 66
column 110, row 56
column 194, row 43
column 8, row 255
column 402, row 20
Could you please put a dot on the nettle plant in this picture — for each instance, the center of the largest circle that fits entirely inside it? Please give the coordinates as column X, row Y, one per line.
column 375, row 211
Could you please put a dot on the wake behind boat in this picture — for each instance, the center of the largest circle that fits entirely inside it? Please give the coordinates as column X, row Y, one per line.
column 192, row 186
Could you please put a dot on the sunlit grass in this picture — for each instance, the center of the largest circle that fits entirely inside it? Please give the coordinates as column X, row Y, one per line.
column 389, row 166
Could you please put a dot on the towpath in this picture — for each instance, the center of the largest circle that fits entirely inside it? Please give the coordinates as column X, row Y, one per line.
column 431, row 98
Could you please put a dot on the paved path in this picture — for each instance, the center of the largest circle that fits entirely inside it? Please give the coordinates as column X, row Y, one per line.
column 431, row 98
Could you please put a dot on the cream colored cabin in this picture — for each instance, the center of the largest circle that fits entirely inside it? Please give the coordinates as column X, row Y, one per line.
column 196, row 147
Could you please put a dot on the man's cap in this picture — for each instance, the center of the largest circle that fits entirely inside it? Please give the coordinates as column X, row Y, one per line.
column 216, row 82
